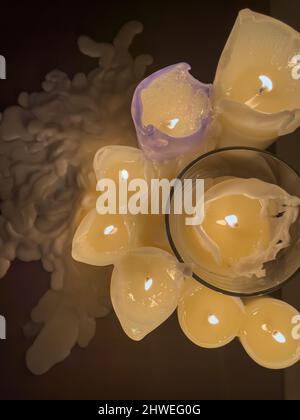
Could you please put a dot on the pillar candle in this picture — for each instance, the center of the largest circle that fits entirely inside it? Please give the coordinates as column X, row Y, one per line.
column 269, row 333
column 257, row 86
column 209, row 319
column 246, row 224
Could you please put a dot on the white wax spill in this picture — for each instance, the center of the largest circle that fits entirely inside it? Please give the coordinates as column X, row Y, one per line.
column 47, row 185
column 63, row 330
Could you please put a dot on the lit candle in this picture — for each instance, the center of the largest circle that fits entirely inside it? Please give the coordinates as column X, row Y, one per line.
column 171, row 112
column 145, row 288
column 269, row 333
column 246, row 223
column 209, row 319
column 257, row 86
column 101, row 239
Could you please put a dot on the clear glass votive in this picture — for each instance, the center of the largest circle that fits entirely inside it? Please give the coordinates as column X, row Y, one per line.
column 226, row 165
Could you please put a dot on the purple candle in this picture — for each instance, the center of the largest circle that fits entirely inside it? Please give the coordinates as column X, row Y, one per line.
column 171, row 111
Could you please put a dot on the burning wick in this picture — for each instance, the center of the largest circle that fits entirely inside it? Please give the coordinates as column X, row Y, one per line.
column 213, row 319
column 172, row 123
column 267, row 84
column 231, row 220
column 148, row 283
column 277, row 335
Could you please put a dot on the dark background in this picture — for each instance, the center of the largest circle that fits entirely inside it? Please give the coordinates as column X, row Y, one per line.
column 37, row 37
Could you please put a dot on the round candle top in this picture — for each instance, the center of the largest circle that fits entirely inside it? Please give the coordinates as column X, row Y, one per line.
column 170, row 105
column 269, row 333
column 145, row 288
column 260, row 64
column 101, row 239
column 173, row 105
column 209, row 319
column 246, row 223
column 234, row 224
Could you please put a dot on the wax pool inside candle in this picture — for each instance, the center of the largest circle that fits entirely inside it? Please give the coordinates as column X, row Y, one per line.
column 173, row 105
column 235, row 224
column 232, row 230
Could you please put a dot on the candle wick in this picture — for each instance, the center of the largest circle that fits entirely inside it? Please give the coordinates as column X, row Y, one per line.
column 266, row 84
column 279, row 337
column 148, row 283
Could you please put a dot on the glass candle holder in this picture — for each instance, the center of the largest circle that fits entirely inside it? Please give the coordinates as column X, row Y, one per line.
column 237, row 223
column 257, row 82
column 171, row 111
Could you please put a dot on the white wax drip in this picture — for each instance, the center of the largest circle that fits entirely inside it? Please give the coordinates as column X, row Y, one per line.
column 47, row 185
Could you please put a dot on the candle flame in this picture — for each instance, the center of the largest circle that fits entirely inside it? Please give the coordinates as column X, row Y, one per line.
column 266, row 83
column 148, row 283
column 110, row 230
column 213, row 319
column 279, row 337
column 230, row 220
column 124, row 174
column 172, row 123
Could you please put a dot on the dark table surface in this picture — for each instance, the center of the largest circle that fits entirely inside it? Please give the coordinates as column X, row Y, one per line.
column 165, row 365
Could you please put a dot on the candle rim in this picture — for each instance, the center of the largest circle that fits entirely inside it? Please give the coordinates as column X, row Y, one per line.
column 219, row 103
column 280, row 123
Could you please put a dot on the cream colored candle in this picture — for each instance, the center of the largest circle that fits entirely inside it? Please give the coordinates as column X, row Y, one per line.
column 171, row 111
column 239, row 232
column 145, row 289
column 102, row 239
column 209, row 319
column 257, row 86
column 121, row 161
column 269, row 333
